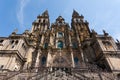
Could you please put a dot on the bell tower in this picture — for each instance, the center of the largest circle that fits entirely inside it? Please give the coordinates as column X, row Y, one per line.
column 40, row 39
column 42, row 22
column 81, row 34
column 80, row 26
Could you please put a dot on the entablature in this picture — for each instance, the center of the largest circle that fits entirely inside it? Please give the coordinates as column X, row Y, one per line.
column 13, row 52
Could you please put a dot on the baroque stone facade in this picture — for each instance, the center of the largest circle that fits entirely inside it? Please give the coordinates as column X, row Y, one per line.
column 59, row 52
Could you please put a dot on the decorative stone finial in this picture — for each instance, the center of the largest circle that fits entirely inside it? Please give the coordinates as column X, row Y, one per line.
column 105, row 33
column 26, row 32
column 15, row 31
column 94, row 32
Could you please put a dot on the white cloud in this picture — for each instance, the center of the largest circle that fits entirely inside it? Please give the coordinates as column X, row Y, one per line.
column 20, row 12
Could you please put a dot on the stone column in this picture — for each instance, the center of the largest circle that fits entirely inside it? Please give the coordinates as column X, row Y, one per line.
column 49, row 59
column 37, row 63
column 42, row 39
column 29, row 58
column 51, row 40
column 72, row 56
column 70, row 40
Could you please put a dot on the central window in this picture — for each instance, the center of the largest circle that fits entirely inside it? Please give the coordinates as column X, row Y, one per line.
column 43, row 60
column 46, row 45
column 76, row 60
column 60, row 44
column 60, row 34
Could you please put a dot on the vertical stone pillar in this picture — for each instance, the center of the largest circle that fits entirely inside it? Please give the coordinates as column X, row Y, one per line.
column 70, row 40
column 42, row 39
column 5, row 44
column 37, row 63
column 49, row 59
column 82, row 55
column 45, row 27
column 72, row 56
column 29, row 58
column 78, row 39
column 32, row 28
column 51, row 39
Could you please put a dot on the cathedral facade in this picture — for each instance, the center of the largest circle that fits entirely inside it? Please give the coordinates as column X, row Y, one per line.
column 59, row 51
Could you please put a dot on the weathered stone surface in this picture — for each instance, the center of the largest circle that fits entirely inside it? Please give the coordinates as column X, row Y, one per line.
column 59, row 52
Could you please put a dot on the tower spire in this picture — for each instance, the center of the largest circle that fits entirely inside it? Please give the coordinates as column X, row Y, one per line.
column 75, row 13
column 45, row 13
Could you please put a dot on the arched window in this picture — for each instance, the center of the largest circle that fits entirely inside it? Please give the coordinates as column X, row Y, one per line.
column 16, row 42
column 12, row 41
column 44, row 21
column 39, row 21
column 43, row 60
column 60, row 34
column 76, row 60
column 46, row 45
column 1, row 41
column 60, row 44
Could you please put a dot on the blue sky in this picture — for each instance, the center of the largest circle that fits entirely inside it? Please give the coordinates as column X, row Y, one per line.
column 19, row 14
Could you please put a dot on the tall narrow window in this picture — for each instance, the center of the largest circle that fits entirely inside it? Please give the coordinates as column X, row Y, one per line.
column 60, row 34
column 43, row 60
column 1, row 66
column 1, row 41
column 44, row 21
column 16, row 42
column 76, row 60
column 24, row 47
column 46, row 45
column 39, row 21
column 60, row 44
column 12, row 41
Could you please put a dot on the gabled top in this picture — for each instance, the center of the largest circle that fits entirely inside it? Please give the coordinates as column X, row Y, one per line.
column 60, row 21
column 75, row 13
column 60, row 18
column 45, row 13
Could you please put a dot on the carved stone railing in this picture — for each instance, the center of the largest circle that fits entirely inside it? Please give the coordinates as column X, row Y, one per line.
column 59, row 73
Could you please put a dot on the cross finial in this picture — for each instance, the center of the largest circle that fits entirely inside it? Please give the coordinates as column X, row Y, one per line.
column 16, row 30
column 93, row 31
